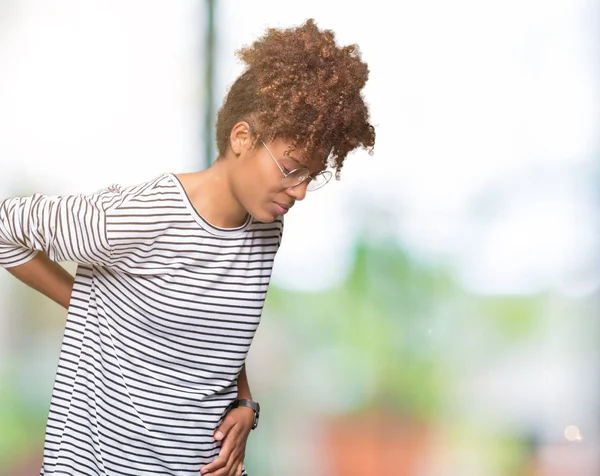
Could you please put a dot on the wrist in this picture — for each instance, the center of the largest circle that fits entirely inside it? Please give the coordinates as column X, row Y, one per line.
column 250, row 404
column 245, row 413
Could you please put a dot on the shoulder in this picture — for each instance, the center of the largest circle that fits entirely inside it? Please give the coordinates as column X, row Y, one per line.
column 154, row 187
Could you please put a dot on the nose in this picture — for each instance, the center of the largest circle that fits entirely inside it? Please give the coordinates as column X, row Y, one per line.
column 298, row 192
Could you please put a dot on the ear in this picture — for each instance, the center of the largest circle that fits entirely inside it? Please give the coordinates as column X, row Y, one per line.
column 240, row 138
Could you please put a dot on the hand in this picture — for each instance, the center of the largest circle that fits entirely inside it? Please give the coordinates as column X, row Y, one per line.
column 233, row 432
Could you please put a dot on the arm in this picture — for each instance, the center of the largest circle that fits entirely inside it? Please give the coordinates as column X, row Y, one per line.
column 38, row 231
column 47, row 277
column 242, row 383
column 69, row 228
column 233, row 432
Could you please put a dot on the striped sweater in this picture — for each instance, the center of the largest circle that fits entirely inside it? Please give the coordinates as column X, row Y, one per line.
column 163, row 311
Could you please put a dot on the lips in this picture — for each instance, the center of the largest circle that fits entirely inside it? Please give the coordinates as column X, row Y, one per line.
column 281, row 208
column 285, row 207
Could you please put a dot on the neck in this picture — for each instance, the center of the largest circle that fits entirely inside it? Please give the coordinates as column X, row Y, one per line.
column 211, row 195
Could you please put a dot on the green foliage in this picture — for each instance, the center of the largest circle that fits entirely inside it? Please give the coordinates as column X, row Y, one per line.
column 393, row 320
column 22, row 427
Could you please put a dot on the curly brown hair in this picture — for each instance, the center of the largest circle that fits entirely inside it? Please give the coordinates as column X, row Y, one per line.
column 300, row 86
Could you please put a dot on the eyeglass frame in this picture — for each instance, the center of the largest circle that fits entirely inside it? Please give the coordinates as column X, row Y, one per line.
column 326, row 174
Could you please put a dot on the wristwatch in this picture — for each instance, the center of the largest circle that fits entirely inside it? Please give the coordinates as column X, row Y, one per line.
column 244, row 402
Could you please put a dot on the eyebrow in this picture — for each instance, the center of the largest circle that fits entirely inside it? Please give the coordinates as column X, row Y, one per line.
column 300, row 164
column 286, row 155
column 294, row 159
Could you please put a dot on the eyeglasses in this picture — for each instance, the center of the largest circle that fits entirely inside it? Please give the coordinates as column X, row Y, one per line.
column 295, row 177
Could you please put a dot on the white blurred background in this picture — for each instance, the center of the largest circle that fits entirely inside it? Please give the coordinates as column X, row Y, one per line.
column 483, row 187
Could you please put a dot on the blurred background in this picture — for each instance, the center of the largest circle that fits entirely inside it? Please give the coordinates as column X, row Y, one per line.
column 435, row 312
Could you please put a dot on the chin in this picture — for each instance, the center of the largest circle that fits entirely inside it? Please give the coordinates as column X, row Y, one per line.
column 264, row 218
column 263, row 215
column 263, row 212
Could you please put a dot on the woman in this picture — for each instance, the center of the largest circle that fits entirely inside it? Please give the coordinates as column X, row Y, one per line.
column 173, row 272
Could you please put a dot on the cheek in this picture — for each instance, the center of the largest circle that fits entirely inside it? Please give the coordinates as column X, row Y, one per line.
column 259, row 192
column 260, row 185
column 267, row 182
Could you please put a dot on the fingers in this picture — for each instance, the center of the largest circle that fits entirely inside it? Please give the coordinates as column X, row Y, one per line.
column 218, row 464
column 228, row 455
column 224, row 428
column 232, row 466
column 233, row 432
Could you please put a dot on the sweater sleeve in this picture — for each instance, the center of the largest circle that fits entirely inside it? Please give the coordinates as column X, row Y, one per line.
column 67, row 228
